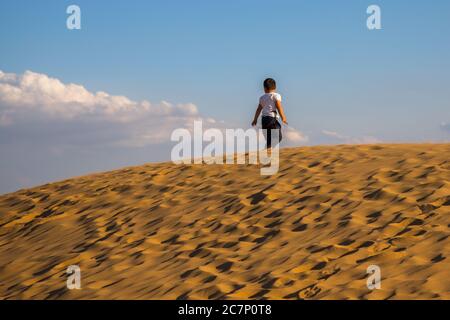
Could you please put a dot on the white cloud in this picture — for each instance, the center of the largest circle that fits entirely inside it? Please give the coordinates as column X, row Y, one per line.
column 35, row 93
column 351, row 140
column 445, row 126
column 294, row 136
column 34, row 100
column 334, row 134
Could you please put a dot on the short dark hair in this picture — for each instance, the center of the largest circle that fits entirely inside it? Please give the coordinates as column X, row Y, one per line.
column 270, row 84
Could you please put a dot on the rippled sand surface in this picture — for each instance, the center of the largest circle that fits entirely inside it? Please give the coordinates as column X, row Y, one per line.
column 165, row 231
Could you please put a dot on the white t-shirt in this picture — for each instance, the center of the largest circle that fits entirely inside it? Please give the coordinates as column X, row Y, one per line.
column 267, row 102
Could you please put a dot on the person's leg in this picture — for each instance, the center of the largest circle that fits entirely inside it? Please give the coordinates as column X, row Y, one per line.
column 269, row 138
column 275, row 131
column 280, row 136
column 267, row 126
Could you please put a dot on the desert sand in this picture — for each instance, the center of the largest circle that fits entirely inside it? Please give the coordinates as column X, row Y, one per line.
column 166, row 231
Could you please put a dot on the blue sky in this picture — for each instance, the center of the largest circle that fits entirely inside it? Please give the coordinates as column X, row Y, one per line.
column 334, row 74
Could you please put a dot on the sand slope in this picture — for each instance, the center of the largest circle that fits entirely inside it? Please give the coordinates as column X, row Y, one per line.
column 163, row 231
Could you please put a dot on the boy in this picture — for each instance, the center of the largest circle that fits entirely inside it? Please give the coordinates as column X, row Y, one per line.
column 270, row 105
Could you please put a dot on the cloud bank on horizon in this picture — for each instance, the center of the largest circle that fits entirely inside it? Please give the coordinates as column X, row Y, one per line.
column 351, row 140
column 34, row 98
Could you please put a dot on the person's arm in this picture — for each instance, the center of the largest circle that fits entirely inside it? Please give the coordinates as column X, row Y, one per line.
column 280, row 111
column 258, row 111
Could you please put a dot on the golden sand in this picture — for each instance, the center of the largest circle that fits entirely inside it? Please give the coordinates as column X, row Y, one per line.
column 165, row 231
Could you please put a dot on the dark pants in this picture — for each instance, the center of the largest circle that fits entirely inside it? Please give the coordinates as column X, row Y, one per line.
column 271, row 123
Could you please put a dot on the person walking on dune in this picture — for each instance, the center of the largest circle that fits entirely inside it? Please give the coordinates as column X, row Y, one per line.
column 270, row 106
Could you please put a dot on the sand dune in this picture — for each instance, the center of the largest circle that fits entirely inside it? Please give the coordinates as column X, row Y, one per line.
column 165, row 231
